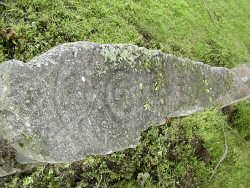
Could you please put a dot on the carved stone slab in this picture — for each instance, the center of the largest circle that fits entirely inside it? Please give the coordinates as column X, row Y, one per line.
column 82, row 98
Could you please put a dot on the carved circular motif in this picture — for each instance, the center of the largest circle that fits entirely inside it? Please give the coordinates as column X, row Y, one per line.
column 120, row 95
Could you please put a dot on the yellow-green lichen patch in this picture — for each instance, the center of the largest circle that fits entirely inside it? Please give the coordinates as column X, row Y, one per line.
column 159, row 81
column 148, row 65
column 33, row 144
column 26, row 140
column 141, row 86
column 147, row 105
column 229, row 79
column 156, row 67
column 205, row 82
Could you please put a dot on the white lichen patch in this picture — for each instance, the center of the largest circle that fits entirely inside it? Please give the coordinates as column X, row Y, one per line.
column 244, row 79
column 126, row 53
column 141, row 86
column 83, row 79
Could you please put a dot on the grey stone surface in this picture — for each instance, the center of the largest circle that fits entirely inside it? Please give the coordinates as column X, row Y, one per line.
column 82, row 98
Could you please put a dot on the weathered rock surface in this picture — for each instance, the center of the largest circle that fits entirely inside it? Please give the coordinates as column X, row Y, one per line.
column 82, row 98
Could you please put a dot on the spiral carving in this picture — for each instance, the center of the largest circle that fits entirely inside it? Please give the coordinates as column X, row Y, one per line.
column 120, row 97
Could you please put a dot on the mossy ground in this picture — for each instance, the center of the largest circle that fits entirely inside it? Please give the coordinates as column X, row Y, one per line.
column 182, row 153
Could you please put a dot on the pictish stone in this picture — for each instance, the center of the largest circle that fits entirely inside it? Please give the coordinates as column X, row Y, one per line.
column 82, row 98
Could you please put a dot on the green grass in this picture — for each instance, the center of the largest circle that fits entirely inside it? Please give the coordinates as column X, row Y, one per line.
column 215, row 32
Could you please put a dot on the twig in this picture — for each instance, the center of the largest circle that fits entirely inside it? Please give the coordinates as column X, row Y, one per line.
column 222, row 158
